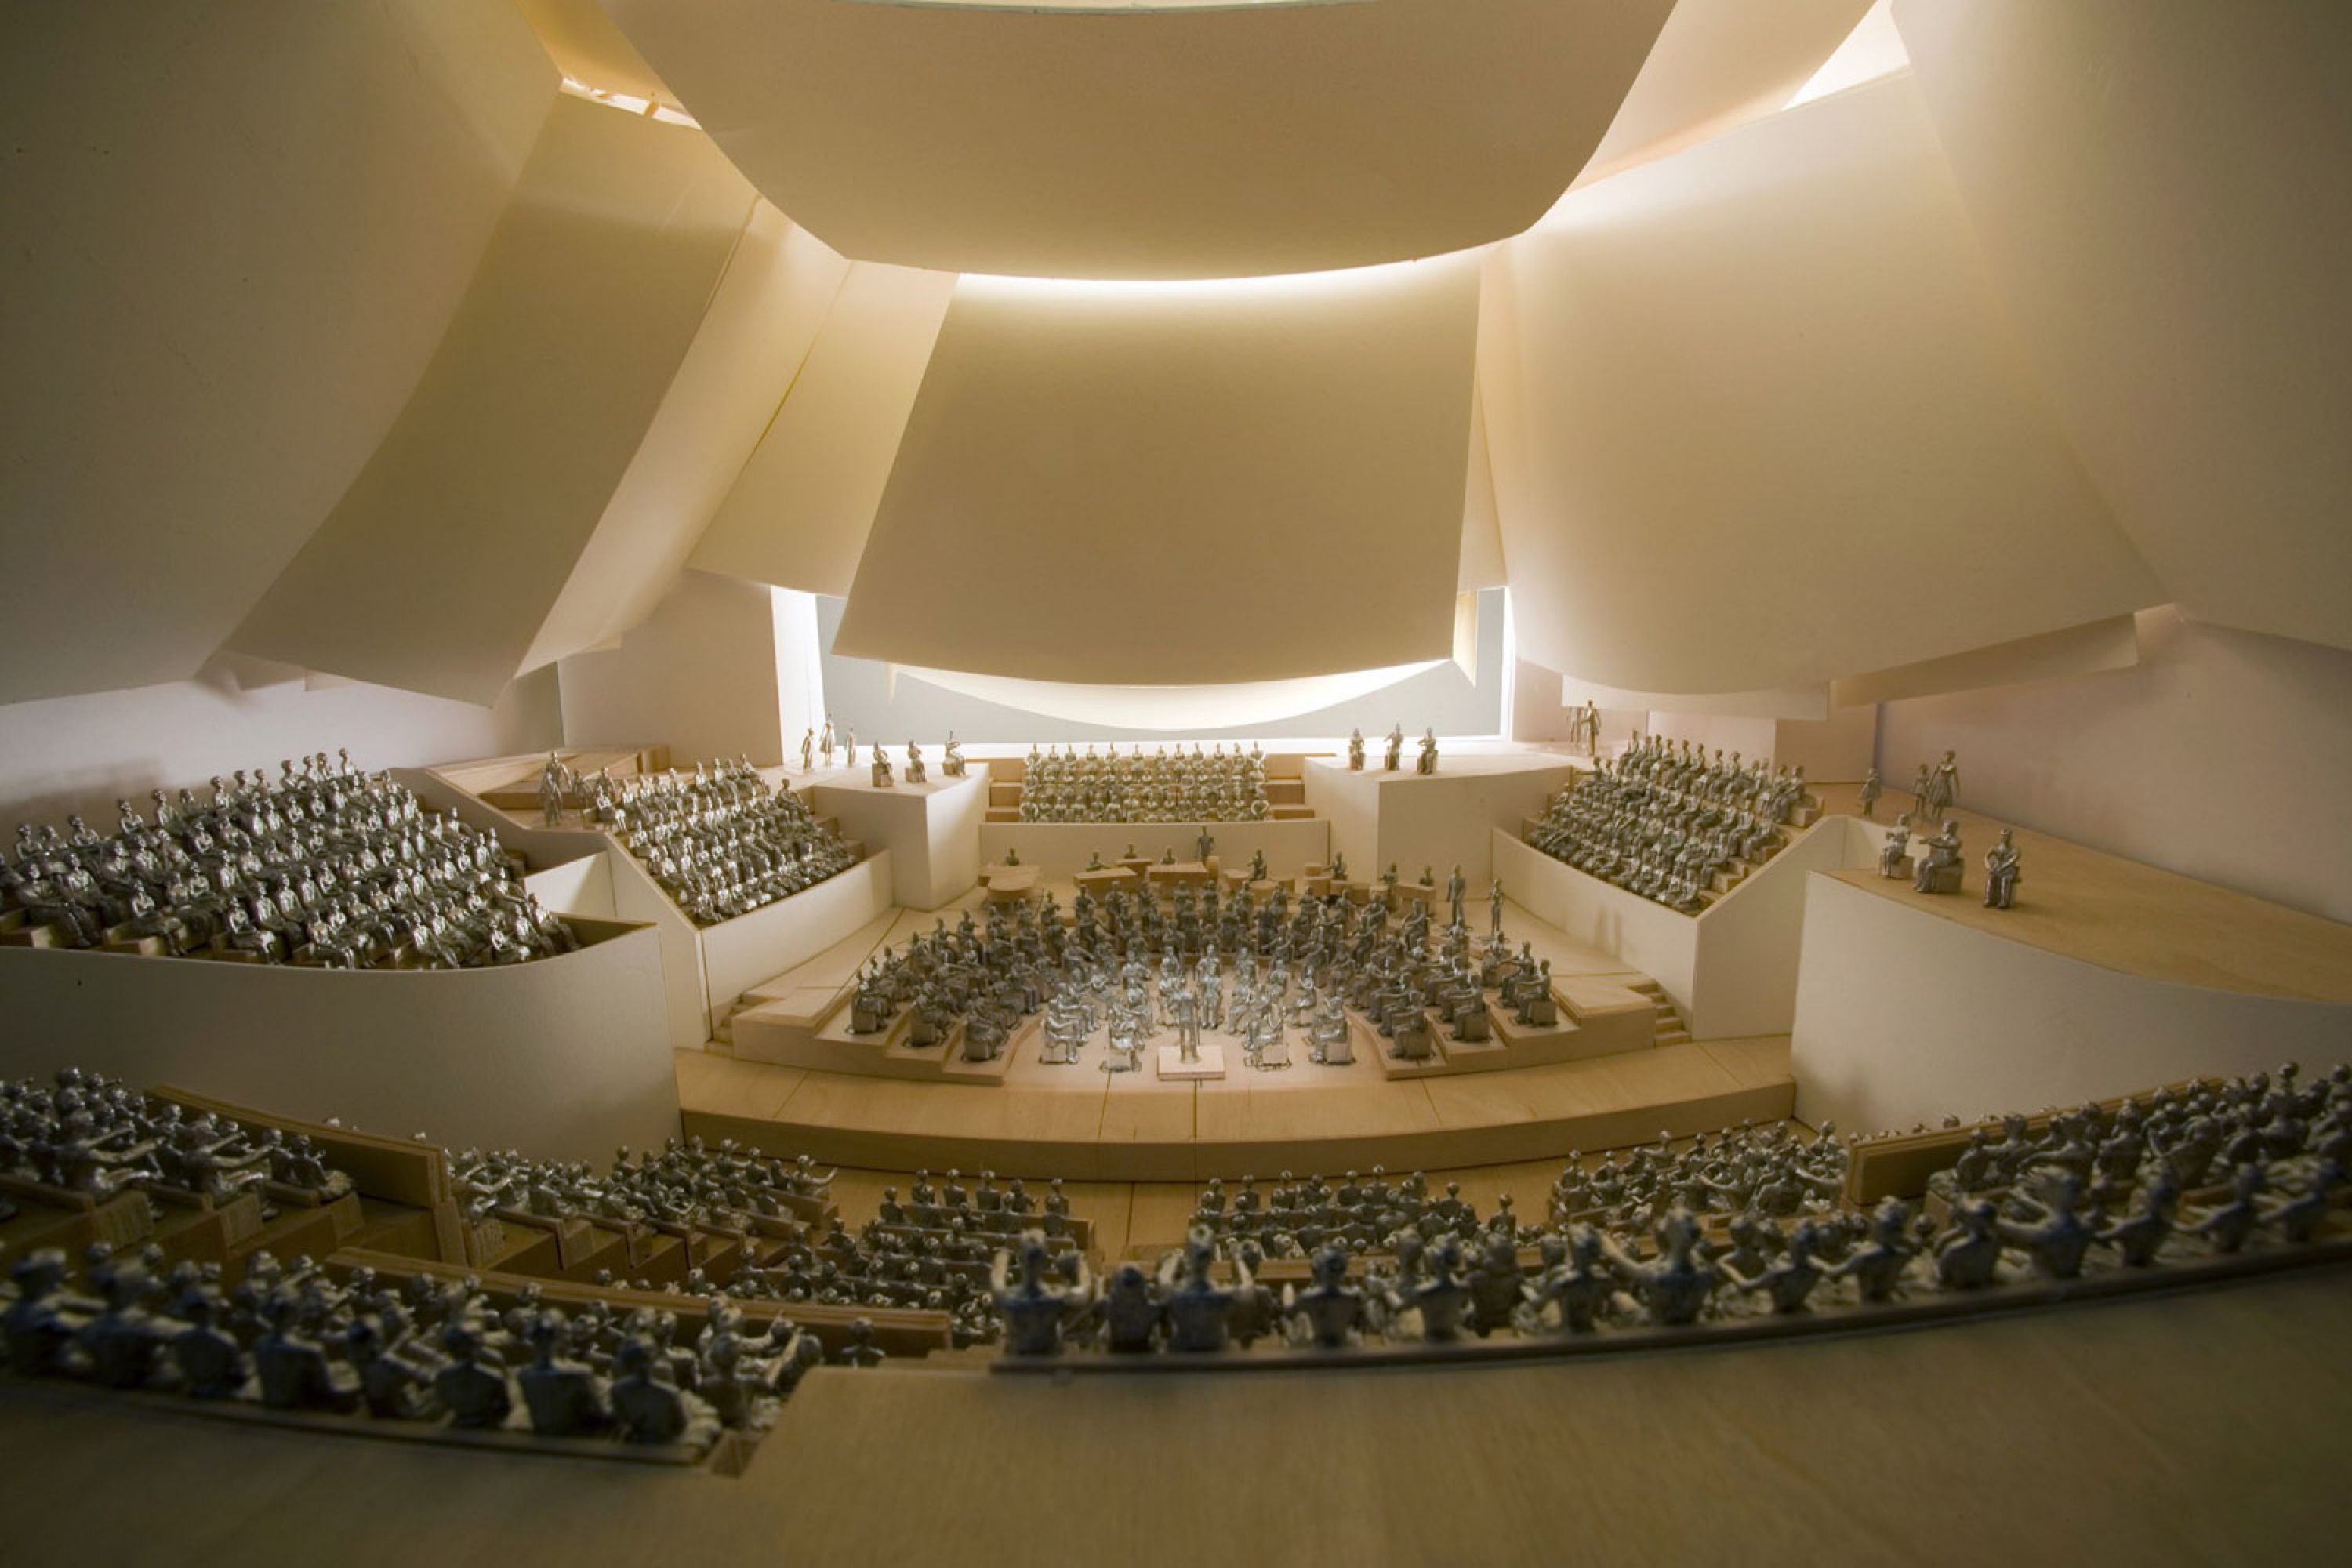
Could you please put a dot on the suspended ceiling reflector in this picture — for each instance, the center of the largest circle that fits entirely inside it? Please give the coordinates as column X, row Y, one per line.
column 1136, row 484
column 1150, row 143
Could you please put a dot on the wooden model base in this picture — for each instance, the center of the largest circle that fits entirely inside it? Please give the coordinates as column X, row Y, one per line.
column 1174, row 1068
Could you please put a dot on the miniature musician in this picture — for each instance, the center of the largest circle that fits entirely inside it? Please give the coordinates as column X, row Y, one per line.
column 1356, row 752
column 2001, row 873
column 1427, row 761
column 1894, row 858
column 1392, row 758
column 1940, row 871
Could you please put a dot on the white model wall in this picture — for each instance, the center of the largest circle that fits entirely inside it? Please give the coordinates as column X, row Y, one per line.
column 1904, row 1016
column 699, row 676
column 234, row 236
column 2222, row 754
column 80, row 753
column 564, row 1058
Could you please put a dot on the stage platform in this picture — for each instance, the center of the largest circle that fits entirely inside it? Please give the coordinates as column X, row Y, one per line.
column 2127, row 916
column 2107, row 975
column 1089, row 1125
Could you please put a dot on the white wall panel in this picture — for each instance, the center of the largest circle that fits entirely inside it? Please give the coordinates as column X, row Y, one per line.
column 2161, row 191
column 1718, row 64
column 798, row 513
column 698, row 676
column 1482, row 537
column 1774, row 426
column 442, row 562
column 1172, row 484
column 234, row 235
column 776, row 289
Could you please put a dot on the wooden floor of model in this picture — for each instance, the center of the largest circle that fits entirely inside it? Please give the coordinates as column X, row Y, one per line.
column 2126, row 915
column 1087, row 1124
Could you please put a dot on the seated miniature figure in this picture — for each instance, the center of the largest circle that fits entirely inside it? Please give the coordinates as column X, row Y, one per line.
column 1894, row 856
column 564, row 1399
column 1940, row 871
column 2001, row 874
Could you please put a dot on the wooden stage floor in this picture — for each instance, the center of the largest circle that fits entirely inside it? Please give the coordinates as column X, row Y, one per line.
column 1129, row 1127
column 2127, row 916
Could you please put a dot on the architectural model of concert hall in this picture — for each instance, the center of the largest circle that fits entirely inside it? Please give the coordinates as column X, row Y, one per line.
column 772, row 770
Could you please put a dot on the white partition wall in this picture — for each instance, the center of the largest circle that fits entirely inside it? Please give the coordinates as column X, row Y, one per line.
column 564, row 1058
column 1904, row 1016
column 931, row 830
column 1439, row 821
column 1648, row 936
column 1732, row 969
column 738, row 954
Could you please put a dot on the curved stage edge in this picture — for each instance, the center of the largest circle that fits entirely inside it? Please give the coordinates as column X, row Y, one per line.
column 1132, row 1128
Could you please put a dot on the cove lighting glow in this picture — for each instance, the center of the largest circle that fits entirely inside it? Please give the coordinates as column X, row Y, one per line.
column 1190, row 709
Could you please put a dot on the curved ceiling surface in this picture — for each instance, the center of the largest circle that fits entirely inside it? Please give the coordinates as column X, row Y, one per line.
column 1152, row 142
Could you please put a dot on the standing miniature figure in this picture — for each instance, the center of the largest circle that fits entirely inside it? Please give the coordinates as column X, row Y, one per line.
column 1356, row 752
column 1918, row 812
column 1943, row 786
column 1495, row 906
column 825, row 741
column 1456, row 890
column 1184, row 1012
column 808, row 751
column 2001, row 873
column 849, row 748
column 554, row 783
column 1394, row 757
column 1584, row 728
column 1427, row 761
column 1870, row 794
